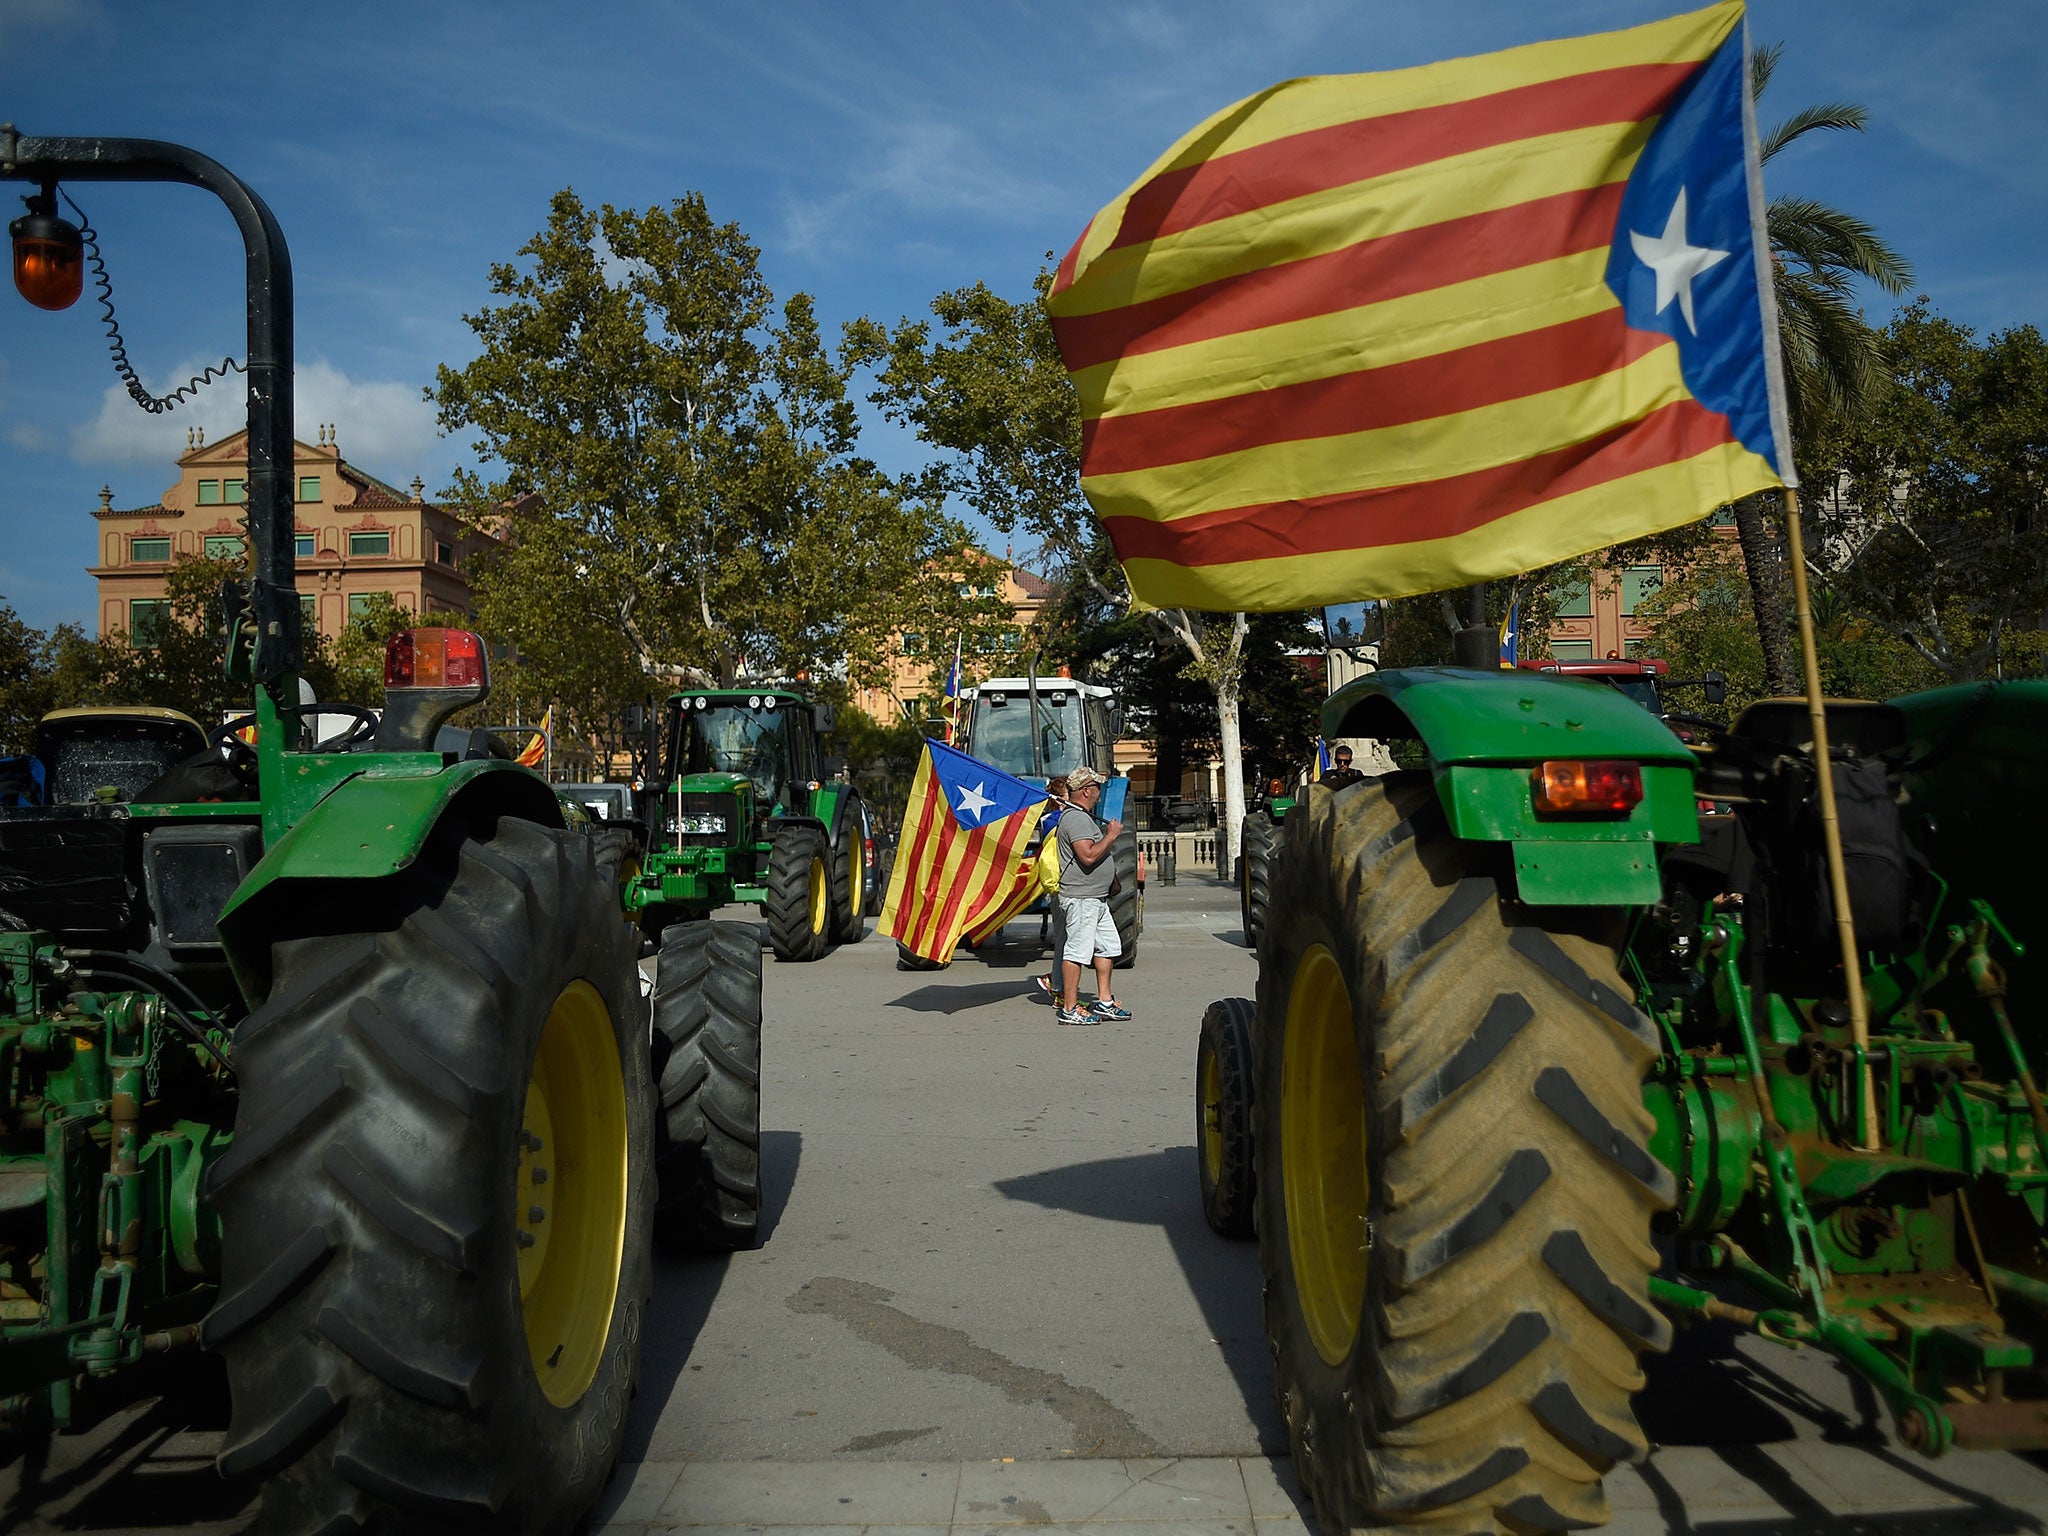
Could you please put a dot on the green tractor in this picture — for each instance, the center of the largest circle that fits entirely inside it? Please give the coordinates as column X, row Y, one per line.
column 1256, row 840
column 1532, row 1020
column 749, row 811
column 742, row 807
column 326, row 1059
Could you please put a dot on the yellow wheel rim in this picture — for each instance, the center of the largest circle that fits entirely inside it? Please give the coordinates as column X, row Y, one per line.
column 821, row 895
column 857, row 877
column 1212, row 1117
column 569, row 1193
column 1322, row 1154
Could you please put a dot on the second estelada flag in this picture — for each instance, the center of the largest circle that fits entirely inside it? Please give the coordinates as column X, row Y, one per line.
column 1372, row 335
column 960, row 852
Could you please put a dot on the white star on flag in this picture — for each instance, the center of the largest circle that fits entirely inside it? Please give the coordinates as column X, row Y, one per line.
column 974, row 801
column 1675, row 261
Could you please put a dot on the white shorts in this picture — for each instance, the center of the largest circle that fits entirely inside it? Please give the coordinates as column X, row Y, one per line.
column 1091, row 931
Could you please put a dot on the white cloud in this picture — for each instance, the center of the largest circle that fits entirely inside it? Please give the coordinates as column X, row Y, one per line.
column 384, row 426
column 30, row 438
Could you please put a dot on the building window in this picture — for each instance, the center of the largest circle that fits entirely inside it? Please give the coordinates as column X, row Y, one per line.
column 444, row 552
column 147, row 617
column 1724, row 517
column 302, row 546
column 231, row 490
column 1640, row 583
column 309, row 487
column 1571, row 650
column 359, row 603
column 309, row 611
column 1575, row 601
column 223, row 546
column 912, row 643
column 1633, row 649
column 209, row 493
column 369, row 543
column 1013, row 640
column 146, row 551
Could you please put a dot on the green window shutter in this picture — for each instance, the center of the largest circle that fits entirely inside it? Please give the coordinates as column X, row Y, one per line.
column 234, row 491
column 1575, row 601
column 147, row 551
column 309, row 487
column 147, row 617
column 369, row 543
column 302, row 546
column 209, row 493
column 1571, row 650
column 223, row 546
column 1639, row 583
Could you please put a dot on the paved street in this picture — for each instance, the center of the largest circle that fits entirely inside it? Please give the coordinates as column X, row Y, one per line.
column 987, row 1299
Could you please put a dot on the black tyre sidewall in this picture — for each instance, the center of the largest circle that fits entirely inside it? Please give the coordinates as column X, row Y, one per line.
column 1226, row 1038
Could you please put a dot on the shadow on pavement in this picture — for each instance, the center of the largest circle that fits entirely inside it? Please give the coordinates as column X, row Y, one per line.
column 1807, row 1515
column 684, row 1290
column 957, row 997
column 1159, row 1189
column 146, row 1464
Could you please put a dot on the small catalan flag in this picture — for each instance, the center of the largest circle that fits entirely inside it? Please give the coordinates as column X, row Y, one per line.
column 960, row 857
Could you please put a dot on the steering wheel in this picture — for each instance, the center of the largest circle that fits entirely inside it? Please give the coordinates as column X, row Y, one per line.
column 241, row 757
column 362, row 726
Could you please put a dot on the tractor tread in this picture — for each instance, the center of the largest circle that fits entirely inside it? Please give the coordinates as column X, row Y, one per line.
column 260, row 1448
column 790, row 857
column 1561, row 1094
column 404, row 1219
column 1503, row 1020
column 1524, row 1174
column 1477, row 1397
column 1543, row 950
column 275, row 1284
column 1228, row 1194
column 708, row 1134
column 380, row 1179
column 431, row 1381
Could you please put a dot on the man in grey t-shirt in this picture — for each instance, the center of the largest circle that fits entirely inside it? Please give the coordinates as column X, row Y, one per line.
column 1086, row 872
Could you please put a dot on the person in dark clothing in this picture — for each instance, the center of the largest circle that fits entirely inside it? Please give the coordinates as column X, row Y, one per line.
column 1343, row 773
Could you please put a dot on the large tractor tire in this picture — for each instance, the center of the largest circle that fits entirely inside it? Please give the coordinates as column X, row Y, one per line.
column 1255, row 873
column 435, row 1215
column 1127, row 906
column 1454, row 1192
column 707, row 1050
column 850, row 881
column 799, row 893
column 1223, row 1117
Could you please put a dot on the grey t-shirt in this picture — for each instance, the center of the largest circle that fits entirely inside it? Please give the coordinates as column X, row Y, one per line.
column 1075, row 880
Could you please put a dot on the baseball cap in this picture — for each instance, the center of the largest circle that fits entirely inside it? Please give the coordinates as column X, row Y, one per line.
column 1082, row 777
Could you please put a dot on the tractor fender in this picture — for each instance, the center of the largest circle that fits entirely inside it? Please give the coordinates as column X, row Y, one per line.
column 368, row 828
column 1485, row 731
column 829, row 804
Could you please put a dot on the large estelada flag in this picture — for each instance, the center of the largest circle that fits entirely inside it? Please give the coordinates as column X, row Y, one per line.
column 1373, row 335
column 958, row 856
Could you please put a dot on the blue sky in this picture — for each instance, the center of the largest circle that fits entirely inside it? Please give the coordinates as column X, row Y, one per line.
column 877, row 152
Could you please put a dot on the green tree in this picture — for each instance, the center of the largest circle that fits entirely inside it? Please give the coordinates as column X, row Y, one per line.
column 1939, row 532
column 24, row 681
column 1832, row 359
column 681, row 485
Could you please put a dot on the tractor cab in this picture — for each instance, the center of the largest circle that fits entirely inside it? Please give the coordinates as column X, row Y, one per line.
column 1072, row 723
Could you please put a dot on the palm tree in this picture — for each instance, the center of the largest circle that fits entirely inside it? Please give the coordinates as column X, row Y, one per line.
column 1832, row 360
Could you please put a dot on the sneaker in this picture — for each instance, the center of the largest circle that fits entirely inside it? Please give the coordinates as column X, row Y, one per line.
column 1109, row 1008
column 1079, row 1016
column 1047, row 987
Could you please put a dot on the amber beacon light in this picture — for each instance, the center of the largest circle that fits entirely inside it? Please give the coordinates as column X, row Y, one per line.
column 1598, row 789
column 49, row 254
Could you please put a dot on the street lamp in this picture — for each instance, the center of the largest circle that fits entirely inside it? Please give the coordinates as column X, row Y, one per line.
column 49, row 253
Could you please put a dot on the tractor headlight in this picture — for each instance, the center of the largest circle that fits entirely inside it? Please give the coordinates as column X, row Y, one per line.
column 697, row 821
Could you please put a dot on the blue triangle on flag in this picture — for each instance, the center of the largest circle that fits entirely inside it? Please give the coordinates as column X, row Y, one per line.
column 977, row 794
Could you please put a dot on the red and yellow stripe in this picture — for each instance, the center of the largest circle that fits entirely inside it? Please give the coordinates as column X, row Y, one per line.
column 948, row 877
column 1352, row 337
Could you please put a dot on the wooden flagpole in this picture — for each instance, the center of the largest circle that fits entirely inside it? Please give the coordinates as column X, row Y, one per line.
column 1831, row 830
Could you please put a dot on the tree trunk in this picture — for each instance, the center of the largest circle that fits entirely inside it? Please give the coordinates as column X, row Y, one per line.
column 1763, row 556
column 1231, row 826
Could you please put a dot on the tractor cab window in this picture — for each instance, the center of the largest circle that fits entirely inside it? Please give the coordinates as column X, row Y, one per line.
column 1000, row 732
column 1641, row 689
column 732, row 738
column 91, row 755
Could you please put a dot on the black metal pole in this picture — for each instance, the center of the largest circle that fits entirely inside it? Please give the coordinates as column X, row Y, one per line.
column 1476, row 645
column 274, row 604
